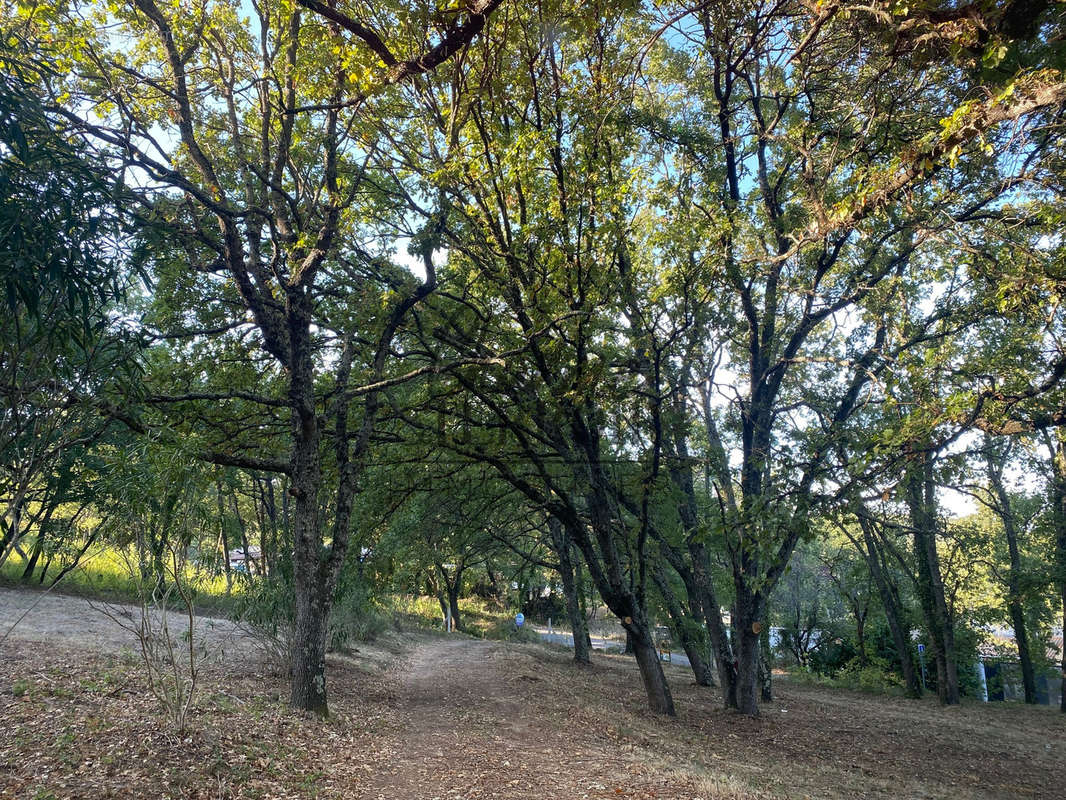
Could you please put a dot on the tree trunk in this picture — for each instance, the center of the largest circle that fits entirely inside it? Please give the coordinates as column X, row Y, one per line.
column 309, row 654
column 860, row 635
column 712, row 612
column 696, row 574
column 89, row 541
column 651, row 670
column 893, row 609
column 453, row 604
column 766, row 668
column 311, row 594
column 1014, row 594
column 245, row 544
column 686, row 630
column 746, row 639
column 222, row 541
column 1058, row 516
column 35, row 554
column 921, row 501
column 582, row 600
column 563, row 549
column 617, row 593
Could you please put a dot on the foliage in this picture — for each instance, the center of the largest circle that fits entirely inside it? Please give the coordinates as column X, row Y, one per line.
column 62, row 232
column 718, row 293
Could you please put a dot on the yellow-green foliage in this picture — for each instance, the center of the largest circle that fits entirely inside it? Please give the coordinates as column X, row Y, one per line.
column 112, row 571
column 479, row 618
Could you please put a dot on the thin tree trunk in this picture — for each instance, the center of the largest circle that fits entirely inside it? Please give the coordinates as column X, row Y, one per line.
column 724, row 656
column 245, row 545
column 860, row 635
column 892, row 607
column 222, row 540
column 766, row 669
column 35, row 554
column 921, row 500
column 686, row 630
column 696, row 575
column 563, row 548
column 1058, row 515
column 1014, row 594
column 582, row 599
column 453, row 602
column 89, row 541
column 271, row 547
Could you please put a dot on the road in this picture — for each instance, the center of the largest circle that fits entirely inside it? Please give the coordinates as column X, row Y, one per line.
column 598, row 643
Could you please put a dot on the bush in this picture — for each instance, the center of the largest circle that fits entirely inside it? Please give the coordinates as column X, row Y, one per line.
column 542, row 607
column 356, row 617
column 505, row 629
column 265, row 611
column 417, row 610
column 876, row 677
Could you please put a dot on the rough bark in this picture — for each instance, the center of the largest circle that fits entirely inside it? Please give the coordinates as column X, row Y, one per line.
column 279, row 297
column 582, row 601
column 309, row 653
column 651, row 670
column 608, row 569
column 309, row 634
column 724, row 659
column 747, row 624
column 1058, row 515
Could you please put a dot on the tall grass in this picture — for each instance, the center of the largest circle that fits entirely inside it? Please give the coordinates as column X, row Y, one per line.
column 109, row 572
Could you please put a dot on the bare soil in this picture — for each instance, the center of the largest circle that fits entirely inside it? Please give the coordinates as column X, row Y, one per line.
column 423, row 716
column 59, row 619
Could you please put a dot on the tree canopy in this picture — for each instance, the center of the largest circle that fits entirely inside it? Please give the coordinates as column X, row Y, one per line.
column 683, row 296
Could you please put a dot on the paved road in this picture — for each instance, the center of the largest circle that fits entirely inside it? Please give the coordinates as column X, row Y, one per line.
column 598, row 643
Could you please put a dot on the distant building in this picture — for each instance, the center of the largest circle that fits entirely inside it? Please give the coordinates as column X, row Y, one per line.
column 242, row 561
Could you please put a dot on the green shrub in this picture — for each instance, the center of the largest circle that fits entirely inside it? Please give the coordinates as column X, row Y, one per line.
column 505, row 629
column 356, row 617
column 265, row 610
column 875, row 677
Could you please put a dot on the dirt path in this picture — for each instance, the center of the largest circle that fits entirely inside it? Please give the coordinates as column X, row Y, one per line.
column 417, row 716
column 476, row 721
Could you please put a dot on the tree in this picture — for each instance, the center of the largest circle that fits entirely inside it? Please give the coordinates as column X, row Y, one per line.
column 996, row 457
column 260, row 144
column 819, row 207
column 870, row 543
column 534, row 258
column 64, row 253
column 1057, row 446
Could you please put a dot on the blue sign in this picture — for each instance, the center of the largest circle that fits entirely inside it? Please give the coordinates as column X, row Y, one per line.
column 519, row 618
column 921, row 648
